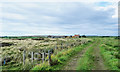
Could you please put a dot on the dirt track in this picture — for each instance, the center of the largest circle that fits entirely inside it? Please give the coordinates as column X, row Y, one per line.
column 72, row 63
column 98, row 61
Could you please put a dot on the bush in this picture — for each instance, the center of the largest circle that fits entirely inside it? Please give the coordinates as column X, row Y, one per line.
column 42, row 67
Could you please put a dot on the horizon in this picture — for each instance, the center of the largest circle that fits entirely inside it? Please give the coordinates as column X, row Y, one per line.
column 54, row 35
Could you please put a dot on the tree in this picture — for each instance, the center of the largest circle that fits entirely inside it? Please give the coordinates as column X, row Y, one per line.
column 84, row 36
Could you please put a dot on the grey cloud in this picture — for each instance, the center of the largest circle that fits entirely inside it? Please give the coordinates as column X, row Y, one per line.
column 63, row 17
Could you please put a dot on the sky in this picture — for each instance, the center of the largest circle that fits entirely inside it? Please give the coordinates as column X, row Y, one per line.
column 59, row 18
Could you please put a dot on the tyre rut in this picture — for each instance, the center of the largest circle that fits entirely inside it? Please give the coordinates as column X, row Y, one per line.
column 98, row 61
column 72, row 63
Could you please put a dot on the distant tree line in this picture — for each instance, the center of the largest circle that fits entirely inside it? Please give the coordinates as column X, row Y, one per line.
column 22, row 37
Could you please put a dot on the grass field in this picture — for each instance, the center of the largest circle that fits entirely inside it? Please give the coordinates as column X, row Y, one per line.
column 91, row 53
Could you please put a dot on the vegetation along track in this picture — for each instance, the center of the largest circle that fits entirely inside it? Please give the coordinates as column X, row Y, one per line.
column 72, row 63
column 92, row 59
column 98, row 61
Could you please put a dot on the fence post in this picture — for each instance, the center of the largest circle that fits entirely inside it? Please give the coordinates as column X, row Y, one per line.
column 32, row 56
column 23, row 57
column 5, row 60
column 49, row 57
column 61, row 45
column 43, row 56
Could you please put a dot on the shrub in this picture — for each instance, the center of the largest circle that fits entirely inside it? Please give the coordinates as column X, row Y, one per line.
column 43, row 66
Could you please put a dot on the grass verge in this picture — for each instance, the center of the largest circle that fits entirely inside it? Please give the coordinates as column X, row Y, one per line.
column 110, row 61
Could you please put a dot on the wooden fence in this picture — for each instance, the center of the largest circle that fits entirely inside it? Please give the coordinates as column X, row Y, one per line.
column 41, row 56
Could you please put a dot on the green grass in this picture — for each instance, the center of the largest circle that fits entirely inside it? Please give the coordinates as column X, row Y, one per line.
column 110, row 60
column 87, row 61
column 109, row 51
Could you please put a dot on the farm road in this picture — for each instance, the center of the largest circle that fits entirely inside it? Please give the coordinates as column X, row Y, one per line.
column 72, row 63
column 98, row 62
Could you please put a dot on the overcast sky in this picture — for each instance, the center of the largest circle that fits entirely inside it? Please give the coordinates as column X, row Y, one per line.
column 58, row 18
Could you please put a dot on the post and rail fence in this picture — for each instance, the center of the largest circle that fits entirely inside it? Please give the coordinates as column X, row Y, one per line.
column 48, row 54
column 45, row 55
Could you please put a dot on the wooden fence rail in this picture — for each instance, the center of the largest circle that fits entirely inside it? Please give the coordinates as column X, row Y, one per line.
column 48, row 54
